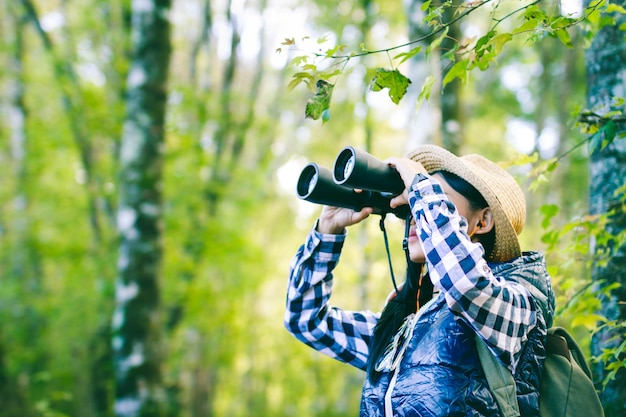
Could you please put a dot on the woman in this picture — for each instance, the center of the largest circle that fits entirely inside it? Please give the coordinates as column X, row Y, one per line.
column 462, row 245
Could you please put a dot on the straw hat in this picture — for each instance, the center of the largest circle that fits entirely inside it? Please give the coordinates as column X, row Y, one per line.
column 502, row 193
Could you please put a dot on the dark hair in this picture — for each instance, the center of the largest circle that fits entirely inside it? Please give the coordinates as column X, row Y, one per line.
column 404, row 303
column 394, row 313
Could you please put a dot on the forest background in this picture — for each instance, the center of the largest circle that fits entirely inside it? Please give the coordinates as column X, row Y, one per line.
column 149, row 155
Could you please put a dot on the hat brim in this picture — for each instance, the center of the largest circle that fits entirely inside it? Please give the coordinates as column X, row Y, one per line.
column 475, row 169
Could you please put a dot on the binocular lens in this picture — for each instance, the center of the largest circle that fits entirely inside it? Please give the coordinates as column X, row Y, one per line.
column 344, row 165
column 347, row 170
column 312, row 183
column 307, row 181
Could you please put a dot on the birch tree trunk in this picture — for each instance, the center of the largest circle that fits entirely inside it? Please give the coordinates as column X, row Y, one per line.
column 136, row 321
column 606, row 66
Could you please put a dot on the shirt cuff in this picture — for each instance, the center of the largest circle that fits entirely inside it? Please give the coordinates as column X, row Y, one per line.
column 321, row 246
column 328, row 237
column 424, row 192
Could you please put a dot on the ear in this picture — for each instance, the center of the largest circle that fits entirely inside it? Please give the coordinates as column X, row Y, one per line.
column 484, row 221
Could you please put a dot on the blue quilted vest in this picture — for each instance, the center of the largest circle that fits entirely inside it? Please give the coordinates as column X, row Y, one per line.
column 440, row 373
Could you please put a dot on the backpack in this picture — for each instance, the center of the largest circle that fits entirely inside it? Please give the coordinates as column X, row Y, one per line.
column 566, row 386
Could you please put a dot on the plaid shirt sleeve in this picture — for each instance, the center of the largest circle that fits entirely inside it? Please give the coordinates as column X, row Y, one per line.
column 501, row 311
column 340, row 334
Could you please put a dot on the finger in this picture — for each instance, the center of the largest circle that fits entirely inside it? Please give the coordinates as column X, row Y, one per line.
column 392, row 162
column 399, row 200
column 361, row 215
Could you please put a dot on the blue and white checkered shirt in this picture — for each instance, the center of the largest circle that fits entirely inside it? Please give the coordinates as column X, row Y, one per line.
column 501, row 311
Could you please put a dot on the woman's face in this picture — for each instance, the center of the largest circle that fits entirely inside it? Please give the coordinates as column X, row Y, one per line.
column 416, row 252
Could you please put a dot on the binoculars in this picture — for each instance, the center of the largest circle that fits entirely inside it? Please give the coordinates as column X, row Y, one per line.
column 353, row 170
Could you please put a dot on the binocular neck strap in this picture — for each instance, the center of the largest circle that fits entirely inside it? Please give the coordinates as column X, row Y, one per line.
column 419, row 271
column 382, row 228
column 424, row 285
column 416, row 271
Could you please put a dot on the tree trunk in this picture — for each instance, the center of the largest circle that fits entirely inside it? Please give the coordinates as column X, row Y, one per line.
column 424, row 119
column 439, row 120
column 450, row 97
column 606, row 64
column 136, row 321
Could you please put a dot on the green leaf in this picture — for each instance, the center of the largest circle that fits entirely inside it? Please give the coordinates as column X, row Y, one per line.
column 408, row 55
column 488, row 47
column 299, row 60
column 615, row 8
column 548, row 211
column 326, row 76
column 535, row 13
column 609, row 130
column 523, row 159
column 337, row 49
column 498, row 41
column 320, row 102
column 393, row 80
column 322, row 40
column 537, row 182
column 593, row 14
column 427, row 88
column 550, row 238
column 607, row 21
column 484, row 40
column 458, row 70
column 588, row 321
column 293, row 83
column 540, row 171
column 437, row 41
column 603, row 137
column 534, row 18
column 298, row 78
column 563, row 36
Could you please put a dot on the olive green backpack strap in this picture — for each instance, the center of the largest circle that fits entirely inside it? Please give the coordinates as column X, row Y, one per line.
column 499, row 379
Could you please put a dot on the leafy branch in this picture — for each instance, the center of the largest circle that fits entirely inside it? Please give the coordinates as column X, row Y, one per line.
column 462, row 57
column 440, row 27
column 601, row 131
column 604, row 128
column 612, row 358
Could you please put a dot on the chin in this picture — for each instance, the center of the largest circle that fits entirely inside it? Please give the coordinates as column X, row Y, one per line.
column 420, row 259
column 416, row 253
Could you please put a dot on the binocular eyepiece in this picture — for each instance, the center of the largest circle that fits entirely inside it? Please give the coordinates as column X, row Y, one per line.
column 353, row 170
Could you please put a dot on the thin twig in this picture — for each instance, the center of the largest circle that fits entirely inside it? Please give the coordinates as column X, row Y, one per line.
column 420, row 39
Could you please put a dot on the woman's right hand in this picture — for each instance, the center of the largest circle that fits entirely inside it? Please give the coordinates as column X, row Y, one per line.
column 334, row 220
